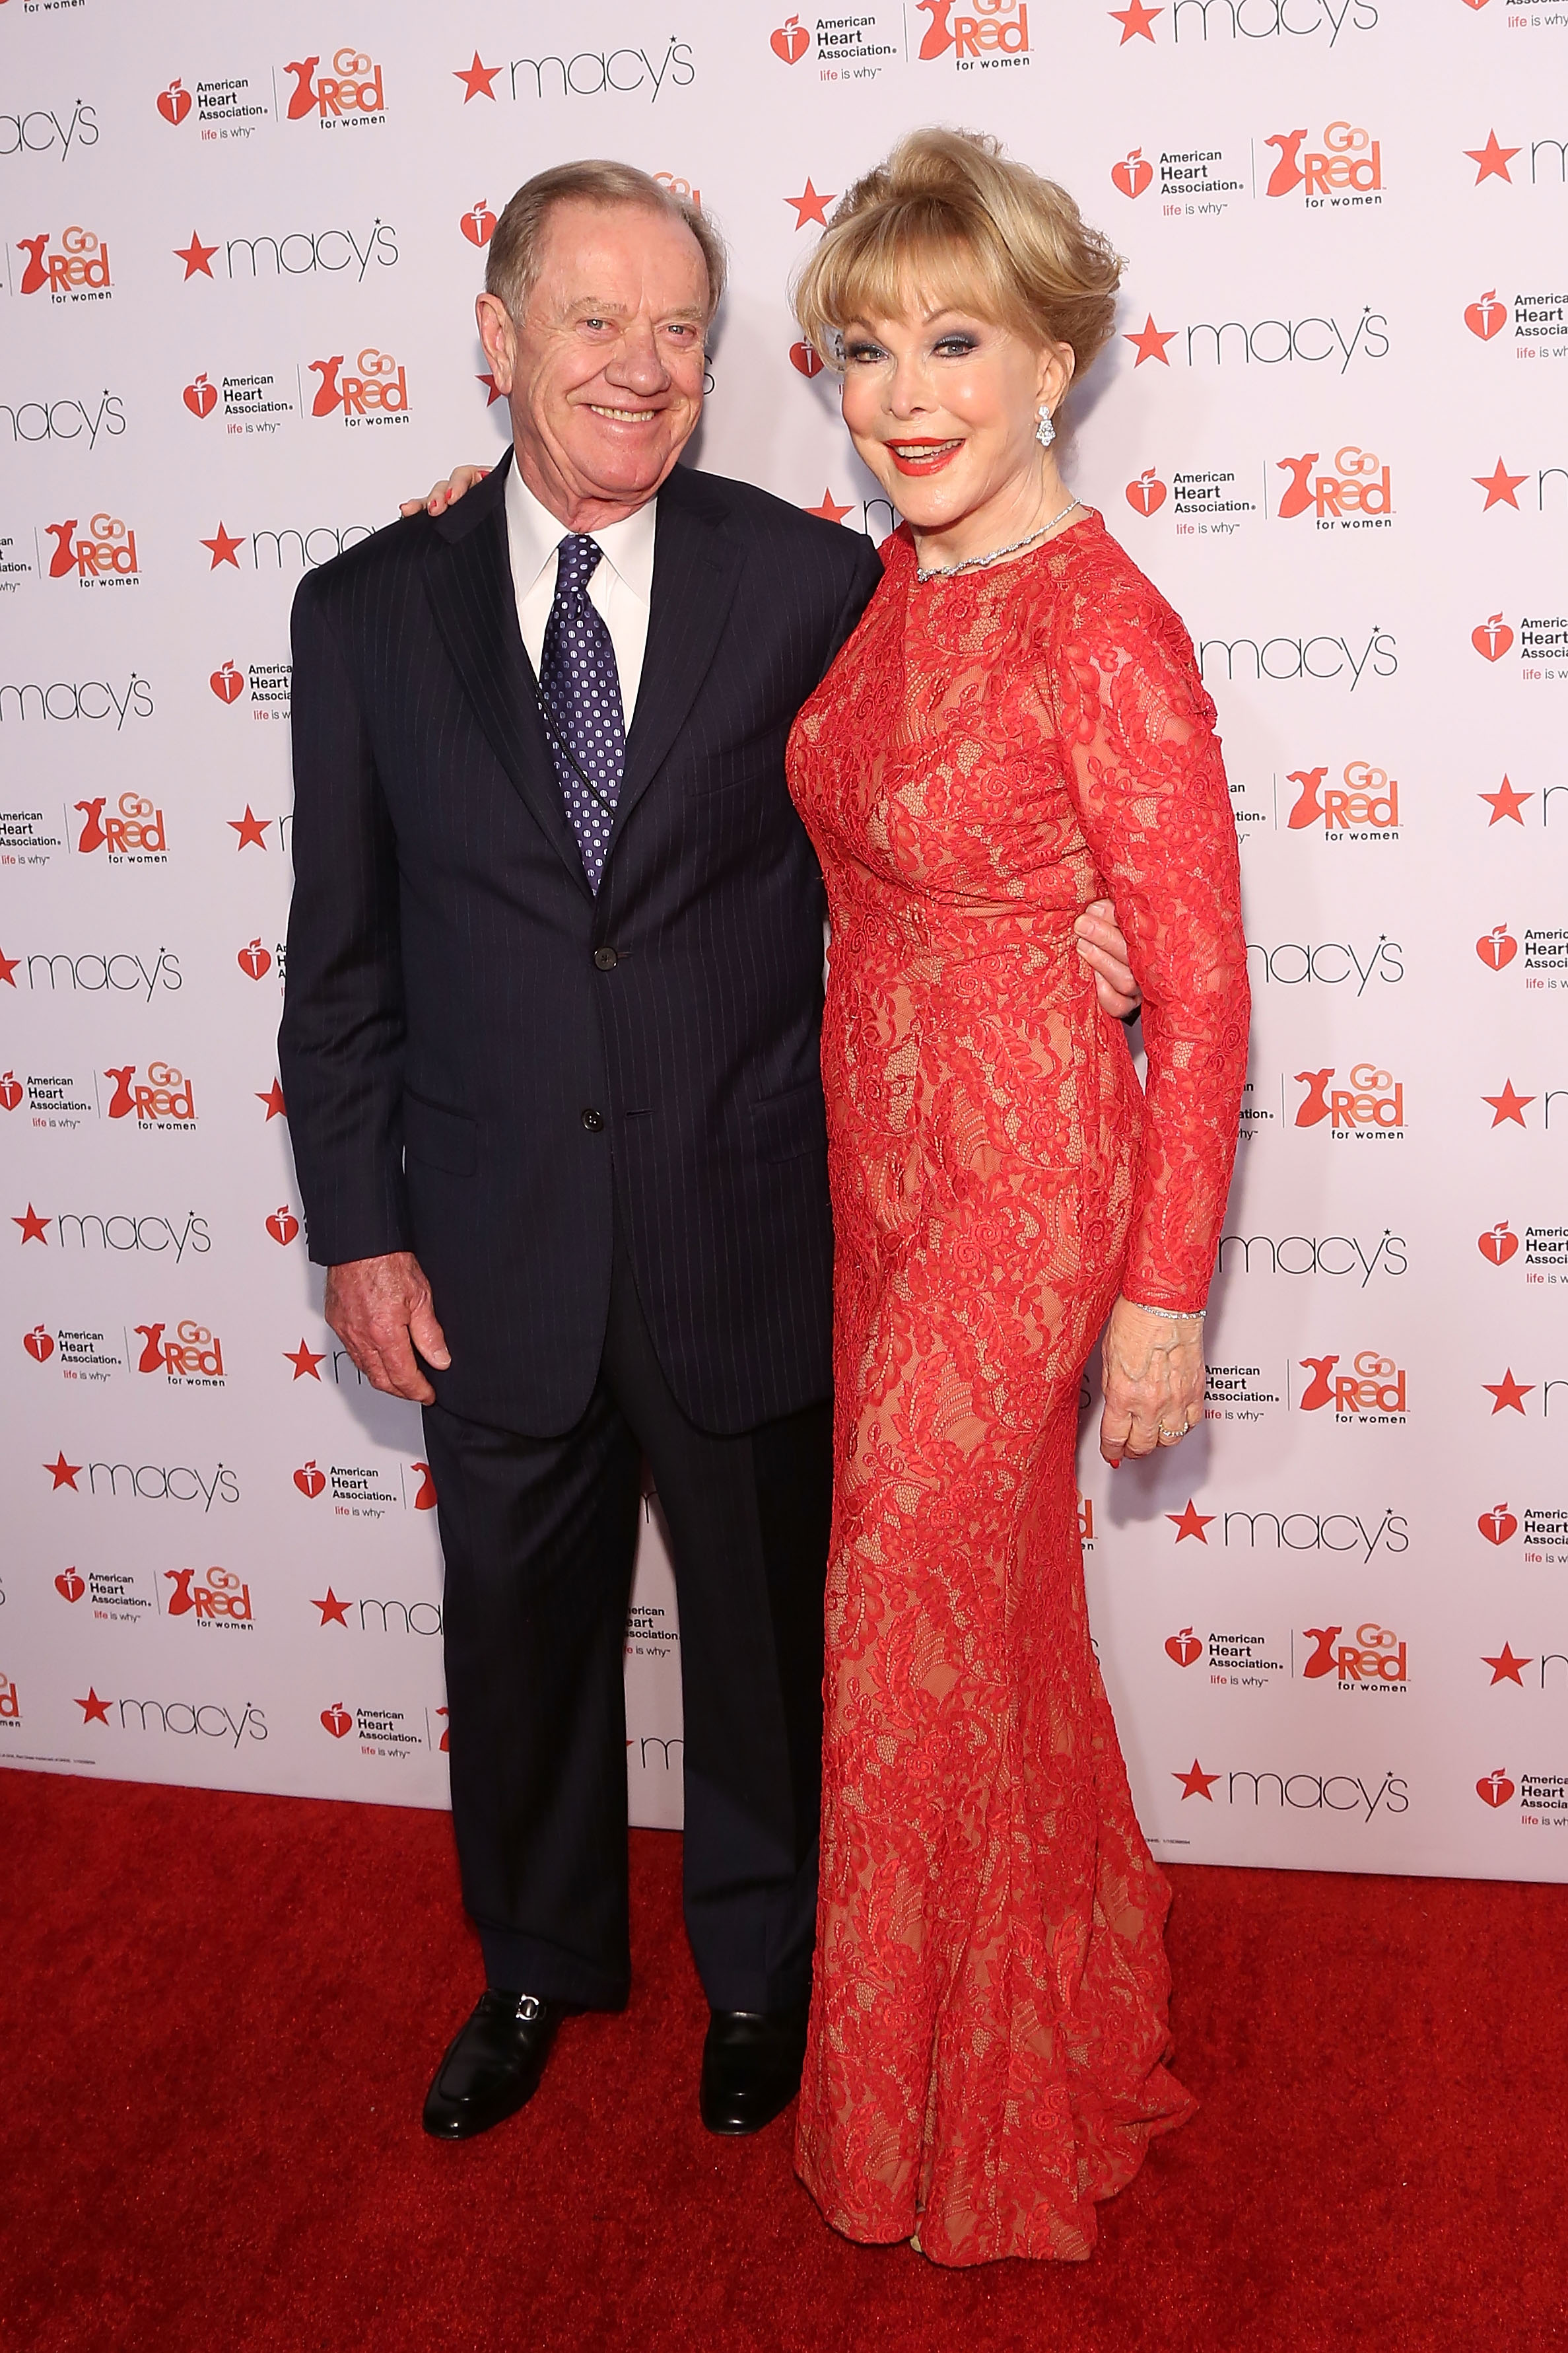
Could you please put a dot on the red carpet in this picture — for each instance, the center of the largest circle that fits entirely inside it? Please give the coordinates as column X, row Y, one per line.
column 218, row 2015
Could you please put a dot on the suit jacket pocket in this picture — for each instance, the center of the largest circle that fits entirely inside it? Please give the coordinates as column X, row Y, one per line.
column 441, row 1139
column 791, row 1125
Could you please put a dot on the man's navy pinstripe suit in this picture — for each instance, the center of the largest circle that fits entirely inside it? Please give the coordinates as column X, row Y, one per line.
column 597, row 1122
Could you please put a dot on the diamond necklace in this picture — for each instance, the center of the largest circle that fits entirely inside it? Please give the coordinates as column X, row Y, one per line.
column 976, row 563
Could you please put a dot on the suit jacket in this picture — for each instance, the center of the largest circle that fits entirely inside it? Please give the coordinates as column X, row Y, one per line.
column 481, row 1058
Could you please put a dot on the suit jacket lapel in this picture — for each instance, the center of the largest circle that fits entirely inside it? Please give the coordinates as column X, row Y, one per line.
column 468, row 582
column 695, row 561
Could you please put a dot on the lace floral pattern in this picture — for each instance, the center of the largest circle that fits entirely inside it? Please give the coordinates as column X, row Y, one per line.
column 989, row 2035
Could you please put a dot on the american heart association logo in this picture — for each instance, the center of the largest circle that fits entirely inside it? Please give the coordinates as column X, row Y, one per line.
column 10, row 1091
column 1184, row 1647
column 228, row 684
column 1495, row 1788
column 1498, row 1524
column 1134, row 173
column 1498, row 1244
column 1486, row 315
column 1498, row 947
column 1492, row 638
column 337, row 1720
column 38, row 1344
column 806, row 358
column 1147, row 495
column 282, row 1225
column 69, row 1586
column 310, row 1481
column 479, row 224
column 789, row 41
column 200, row 398
column 254, row 960
column 174, row 103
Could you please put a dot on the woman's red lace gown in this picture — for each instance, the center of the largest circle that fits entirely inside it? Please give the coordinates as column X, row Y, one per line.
column 987, row 755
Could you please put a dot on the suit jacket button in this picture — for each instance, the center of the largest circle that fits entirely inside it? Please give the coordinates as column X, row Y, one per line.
column 593, row 1121
column 606, row 958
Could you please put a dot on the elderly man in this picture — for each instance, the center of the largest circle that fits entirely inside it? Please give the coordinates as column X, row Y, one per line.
column 550, row 1049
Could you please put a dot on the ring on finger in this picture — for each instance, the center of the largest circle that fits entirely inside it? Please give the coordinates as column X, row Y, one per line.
column 1171, row 1437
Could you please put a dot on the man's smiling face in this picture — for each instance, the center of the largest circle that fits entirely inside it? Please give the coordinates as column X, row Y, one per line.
column 604, row 373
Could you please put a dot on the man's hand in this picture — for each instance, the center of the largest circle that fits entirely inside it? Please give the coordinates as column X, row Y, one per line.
column 1103, row 949
column 377, row 1306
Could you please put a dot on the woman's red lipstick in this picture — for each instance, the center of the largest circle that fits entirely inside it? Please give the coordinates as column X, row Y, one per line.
column 941, row 454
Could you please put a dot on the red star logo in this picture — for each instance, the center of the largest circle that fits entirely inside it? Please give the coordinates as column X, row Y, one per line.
column 196, row 256
column 33, row 1227
column 809, row 205
column 334, row 1611
column 1135, row 19
column 1197, row 1783
column 8, row 967
column 225, row 549
column 1505, row 802
column 492, row 390
column 250, row 830
column 304, row 1361
column 1507, row 1106
column 828, row 511
column 273, row 1098
column 1508, row 1392
column 1500, row 488
column 1149, row 343
column 1190, row 1523
column 1505, row 1668
column 93, row 1709
column 1491, row 161
column 63, row 1472
column 476, row 79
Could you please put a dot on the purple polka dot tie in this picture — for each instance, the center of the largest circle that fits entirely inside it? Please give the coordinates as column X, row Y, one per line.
column 582, row 691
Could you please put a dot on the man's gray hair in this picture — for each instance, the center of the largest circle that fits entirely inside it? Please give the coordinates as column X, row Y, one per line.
column 512, row 269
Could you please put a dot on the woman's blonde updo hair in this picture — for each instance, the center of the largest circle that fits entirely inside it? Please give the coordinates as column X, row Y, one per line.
column 948, row 220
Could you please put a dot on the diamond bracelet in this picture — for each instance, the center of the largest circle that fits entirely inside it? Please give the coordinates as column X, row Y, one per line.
column 1178, row 1315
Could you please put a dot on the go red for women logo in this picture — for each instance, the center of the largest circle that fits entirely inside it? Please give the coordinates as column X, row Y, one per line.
column 1373, row 1390
column 1365, row 801
column 1377, row 1655
column 988, row 28
column 1345, row 167
column 74, row 271
column 106, row 552
column 350, row 93
column 195, row 1354
column 136, row 831
column 164, row 1097
column 1356, row 491
column 1372, row 1104
column 377, row 392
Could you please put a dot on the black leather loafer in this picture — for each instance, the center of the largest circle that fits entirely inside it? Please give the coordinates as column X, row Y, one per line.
column 751, row 2067
column 493, row 2066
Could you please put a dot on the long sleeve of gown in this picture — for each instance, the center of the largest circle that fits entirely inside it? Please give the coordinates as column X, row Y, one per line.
column 1144, row 767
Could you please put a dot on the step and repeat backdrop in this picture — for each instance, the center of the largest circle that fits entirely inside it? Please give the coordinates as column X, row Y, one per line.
column 238, row 254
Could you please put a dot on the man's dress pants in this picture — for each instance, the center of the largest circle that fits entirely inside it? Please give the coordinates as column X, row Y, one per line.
column 540, row 1535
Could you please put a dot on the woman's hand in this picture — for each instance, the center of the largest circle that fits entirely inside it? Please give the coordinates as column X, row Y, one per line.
column 1153, row 1380
column 1104, row 950
column 446, row 494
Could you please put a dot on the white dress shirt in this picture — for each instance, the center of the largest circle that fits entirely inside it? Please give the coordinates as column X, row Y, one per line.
column 620, row 590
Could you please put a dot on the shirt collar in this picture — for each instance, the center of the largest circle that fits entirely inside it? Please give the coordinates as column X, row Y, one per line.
column 533, row 534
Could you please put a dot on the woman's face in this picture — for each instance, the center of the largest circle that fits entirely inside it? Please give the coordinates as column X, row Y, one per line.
column 943, row 407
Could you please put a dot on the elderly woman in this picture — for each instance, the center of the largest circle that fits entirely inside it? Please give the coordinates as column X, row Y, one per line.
column 1016, row 726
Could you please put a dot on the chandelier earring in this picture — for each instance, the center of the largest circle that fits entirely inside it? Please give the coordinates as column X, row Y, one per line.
column 1046, row 431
